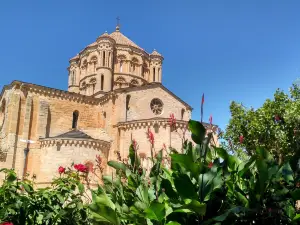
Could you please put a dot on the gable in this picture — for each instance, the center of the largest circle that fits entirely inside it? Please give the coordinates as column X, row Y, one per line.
column 154, row 101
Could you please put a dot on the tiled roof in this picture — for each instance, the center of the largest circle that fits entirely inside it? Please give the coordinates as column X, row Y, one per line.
column 155, row 53
column 121, row 39
column 73, row 134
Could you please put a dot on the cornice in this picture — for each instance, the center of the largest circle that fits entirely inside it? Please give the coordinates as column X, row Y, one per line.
column 91, row 143
column 131, row 75
column 164, row 122
column 52, row 92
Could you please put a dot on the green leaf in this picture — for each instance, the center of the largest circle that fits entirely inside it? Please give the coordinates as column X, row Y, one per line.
column 166, row 184
column 262, row 175
column 105, row 214
column 296, row 194
column 156, row 211
column 28, row 188
column 287, row 172
column 103, row 199
column 184, row 186
column 80, row 188
column 187, row 163
column 297, row 217
column 198, row 131
column 117, row 165
column 172, row 223
column 142, row 193
column 195, row 206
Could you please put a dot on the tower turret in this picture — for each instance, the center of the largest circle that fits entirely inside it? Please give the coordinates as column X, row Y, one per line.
column 156, row 60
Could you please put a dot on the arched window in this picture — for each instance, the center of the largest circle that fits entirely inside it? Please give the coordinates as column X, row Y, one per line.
column 75, row 119
column 127, row 104
column 102, row 82
column 121, row 66
column 103, row 59
column 73, row 78
column 153, row 74
column 182, row 113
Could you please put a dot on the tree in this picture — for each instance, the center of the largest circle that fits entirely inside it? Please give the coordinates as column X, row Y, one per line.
column 274, row 126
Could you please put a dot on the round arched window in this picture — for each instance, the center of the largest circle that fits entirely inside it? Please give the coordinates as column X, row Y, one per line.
column 156, row 106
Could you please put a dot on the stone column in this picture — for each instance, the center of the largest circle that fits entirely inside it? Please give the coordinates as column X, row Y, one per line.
column 43, row 118
column 28, row 113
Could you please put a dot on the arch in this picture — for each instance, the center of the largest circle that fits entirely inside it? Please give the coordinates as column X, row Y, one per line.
column 94, row 59
column 93, row 80
column 84, row 63
column 135, row 60
column 120, row 80
column 75, row 119
column 182, row 113
column 103, row 59
column 134, row 82
column 102, row 82
column 121, row 57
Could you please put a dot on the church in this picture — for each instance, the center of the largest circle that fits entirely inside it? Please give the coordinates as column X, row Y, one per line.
column 115, row 95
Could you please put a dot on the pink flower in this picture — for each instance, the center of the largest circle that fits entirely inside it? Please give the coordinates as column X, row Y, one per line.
column 150, row 136
column 80, row 167
column 172, row 120
column 210, row 120
column 241, row 139
column 61, row 170
column 7, row 223
column 210, row 165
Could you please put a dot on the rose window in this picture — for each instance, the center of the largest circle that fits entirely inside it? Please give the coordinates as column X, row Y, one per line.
column 156, row 106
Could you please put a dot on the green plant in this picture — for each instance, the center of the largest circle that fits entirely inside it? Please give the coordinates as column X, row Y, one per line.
column 205, row 185
column 62, row 203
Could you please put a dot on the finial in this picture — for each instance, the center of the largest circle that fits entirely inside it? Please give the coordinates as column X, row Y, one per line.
column 118, row 24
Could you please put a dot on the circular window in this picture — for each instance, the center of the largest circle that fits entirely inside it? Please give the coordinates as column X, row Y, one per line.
column 156, row 106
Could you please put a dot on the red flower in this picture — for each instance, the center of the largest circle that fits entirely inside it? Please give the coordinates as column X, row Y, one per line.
column 61, row 169
column 7, row 223
column 172, row 120
column 241, row 139
column 80, row 167
column 150, row 136
column 210, row 165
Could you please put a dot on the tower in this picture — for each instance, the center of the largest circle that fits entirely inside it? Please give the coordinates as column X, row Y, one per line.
column 156, row 60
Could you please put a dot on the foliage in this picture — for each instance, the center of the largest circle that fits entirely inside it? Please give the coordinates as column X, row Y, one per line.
column 203, row 186
column 62, row 203
column 274, row 126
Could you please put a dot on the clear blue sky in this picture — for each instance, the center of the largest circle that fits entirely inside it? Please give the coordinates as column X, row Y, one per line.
column 230, row 50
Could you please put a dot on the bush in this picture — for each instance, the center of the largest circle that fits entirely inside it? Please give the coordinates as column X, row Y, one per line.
column 203, row 186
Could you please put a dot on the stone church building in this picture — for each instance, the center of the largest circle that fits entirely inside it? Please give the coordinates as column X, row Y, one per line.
column 114, row 95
